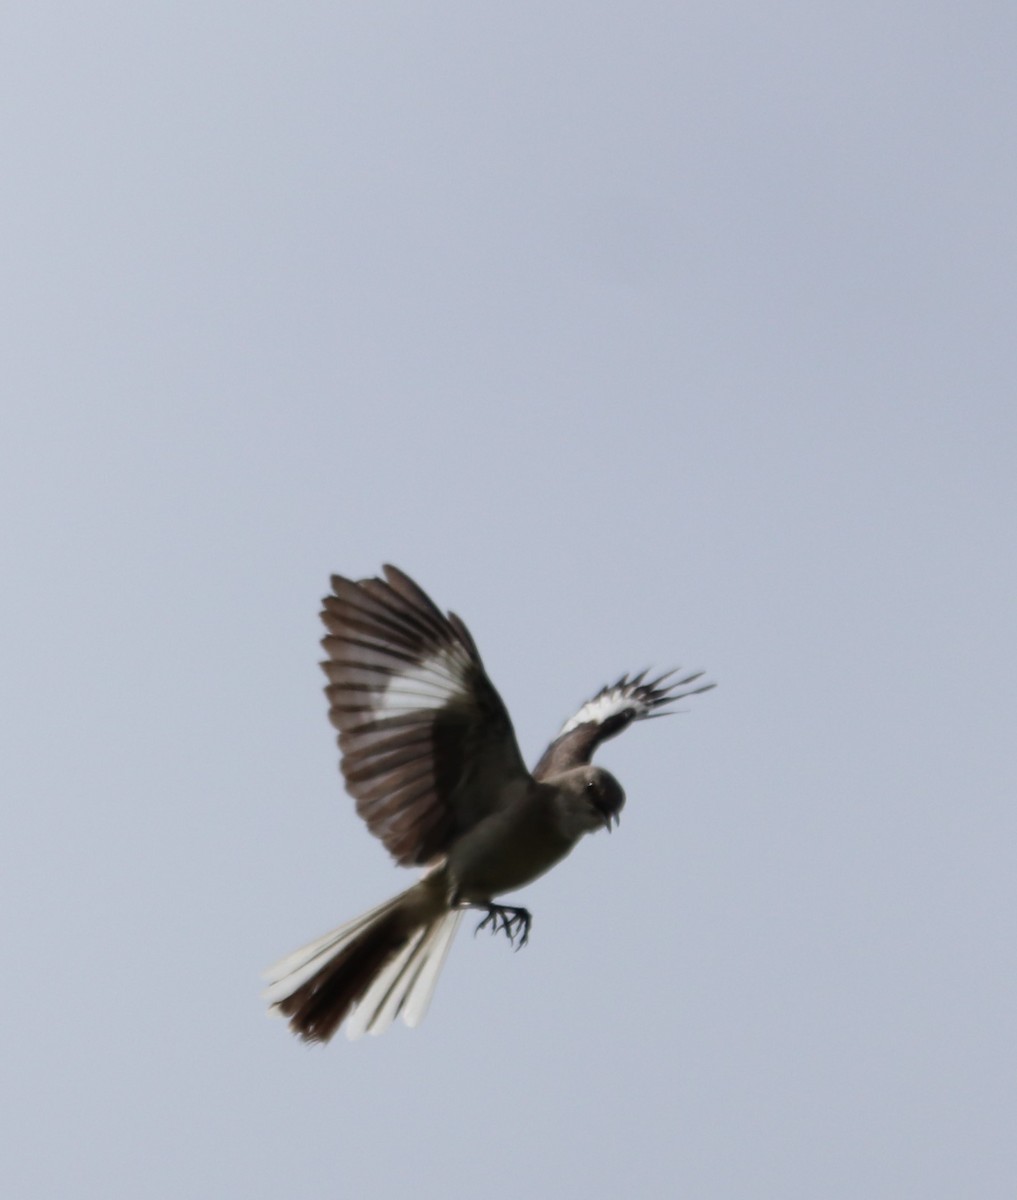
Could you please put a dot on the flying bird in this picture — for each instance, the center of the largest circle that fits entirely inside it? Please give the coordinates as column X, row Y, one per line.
column 430, row 757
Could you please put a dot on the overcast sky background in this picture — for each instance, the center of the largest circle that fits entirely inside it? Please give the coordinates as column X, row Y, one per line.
column 639, row 334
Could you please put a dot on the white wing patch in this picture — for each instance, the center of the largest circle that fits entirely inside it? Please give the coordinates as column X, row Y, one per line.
column 635, row 698
column 601, row 708
column 437, row 682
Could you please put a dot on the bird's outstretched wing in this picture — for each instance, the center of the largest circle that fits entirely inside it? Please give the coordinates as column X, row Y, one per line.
column 610, row 711
column 427, row 746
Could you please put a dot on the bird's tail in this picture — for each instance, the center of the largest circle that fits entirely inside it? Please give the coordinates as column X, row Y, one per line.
column 371, row 970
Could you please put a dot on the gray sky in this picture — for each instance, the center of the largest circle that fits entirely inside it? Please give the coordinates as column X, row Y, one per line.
column 640, row 335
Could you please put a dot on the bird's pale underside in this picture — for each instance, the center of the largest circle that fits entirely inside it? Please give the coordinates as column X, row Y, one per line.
column 430, row 757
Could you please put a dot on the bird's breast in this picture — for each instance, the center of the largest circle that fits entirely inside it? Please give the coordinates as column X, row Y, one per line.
column 507, row 850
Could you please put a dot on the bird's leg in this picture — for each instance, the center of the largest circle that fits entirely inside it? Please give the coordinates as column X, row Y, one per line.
column 501, row 918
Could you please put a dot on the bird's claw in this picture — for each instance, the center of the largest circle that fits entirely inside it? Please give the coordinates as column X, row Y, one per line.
column 513, row 922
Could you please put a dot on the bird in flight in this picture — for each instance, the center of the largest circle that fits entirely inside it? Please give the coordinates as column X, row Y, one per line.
column 430, row 757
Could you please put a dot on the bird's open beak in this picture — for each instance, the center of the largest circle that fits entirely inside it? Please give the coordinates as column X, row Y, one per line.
column 610, row 816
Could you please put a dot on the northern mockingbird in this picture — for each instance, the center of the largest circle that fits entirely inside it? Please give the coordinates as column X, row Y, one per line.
column 429, row 755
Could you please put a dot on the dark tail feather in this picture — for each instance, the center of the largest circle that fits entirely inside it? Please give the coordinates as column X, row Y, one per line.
column 382, row 964
column 318, row 1007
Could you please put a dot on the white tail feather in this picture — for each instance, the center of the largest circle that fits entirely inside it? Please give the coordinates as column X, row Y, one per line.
column 375, row 1010
column 422, row 989
column 286, row 975
column 407, row 983
column 404, row 986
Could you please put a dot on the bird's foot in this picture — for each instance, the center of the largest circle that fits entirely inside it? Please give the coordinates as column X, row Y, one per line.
column 513, row 922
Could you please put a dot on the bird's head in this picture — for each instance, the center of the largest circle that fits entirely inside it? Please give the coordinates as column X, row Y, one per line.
column 593, row 798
